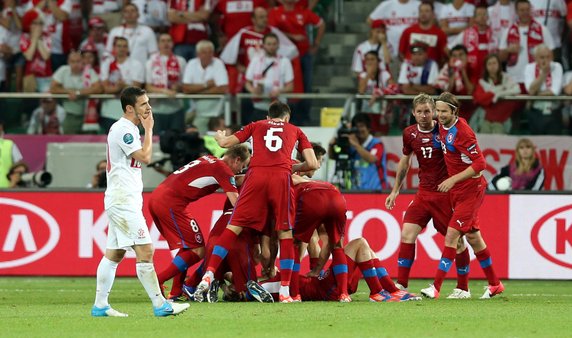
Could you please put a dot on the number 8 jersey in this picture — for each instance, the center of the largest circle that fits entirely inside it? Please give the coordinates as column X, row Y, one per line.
column 273, row 143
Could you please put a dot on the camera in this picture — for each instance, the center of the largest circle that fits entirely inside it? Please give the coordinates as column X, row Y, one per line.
column 38, row 178
column 182, row 146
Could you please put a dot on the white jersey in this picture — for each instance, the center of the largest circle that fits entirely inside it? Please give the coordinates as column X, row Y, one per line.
column 553, row 19
column 456, row 18
column 358, row 59
column 501, row 17
column 397, row 17
column 142, row 41
column 124, row 180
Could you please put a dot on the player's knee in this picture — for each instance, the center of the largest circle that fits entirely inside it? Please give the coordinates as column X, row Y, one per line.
column 199, row 251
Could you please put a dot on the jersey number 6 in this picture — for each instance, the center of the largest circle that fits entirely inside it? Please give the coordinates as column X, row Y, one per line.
column 273, row 142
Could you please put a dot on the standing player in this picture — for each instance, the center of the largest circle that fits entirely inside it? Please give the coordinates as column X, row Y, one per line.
column 465, row 165
column 170, row 199
column 124, row 203
column 266, row 189
column 422, row 139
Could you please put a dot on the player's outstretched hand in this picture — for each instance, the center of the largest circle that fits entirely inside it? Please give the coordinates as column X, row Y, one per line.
column 446, row 185
column 390, row 201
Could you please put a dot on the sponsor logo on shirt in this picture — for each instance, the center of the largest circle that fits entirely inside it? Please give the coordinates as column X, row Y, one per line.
column 128, row 138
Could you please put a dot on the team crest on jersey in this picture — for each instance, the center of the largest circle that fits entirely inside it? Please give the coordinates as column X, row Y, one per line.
column 199, row 238
column 449, row 138
column 128, row 138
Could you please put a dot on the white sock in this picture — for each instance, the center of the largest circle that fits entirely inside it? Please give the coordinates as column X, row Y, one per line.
column 105, row 277
column 148, row 277
column 284, row 290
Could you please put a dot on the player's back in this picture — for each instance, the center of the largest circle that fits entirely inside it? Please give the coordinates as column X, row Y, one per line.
column 273, row 143
column 197, row 179
column 427, row 149
column 305, row 187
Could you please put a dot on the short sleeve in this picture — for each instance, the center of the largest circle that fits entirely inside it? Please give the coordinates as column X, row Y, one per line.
column 244, row 133
column 127, row 140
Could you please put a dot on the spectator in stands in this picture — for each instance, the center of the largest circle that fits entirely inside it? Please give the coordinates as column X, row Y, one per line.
column 73, row 81
column 455, row 18
column 551, row 14
column 501, row 16
column 141, row 38
column 426, row 31
column 215, row 123
column 99, row 179
column 376, row 81
column 456, row 76
column 418, row 75
column 524, row 172
column 205, row 74
column 293, row 21
column 235, row 15
column 493, row 85
column 397, row 15
column 97, row 36
column 376, row 42
column 268, row 75
column 153, row 13
column 108, row 10
column 567, row 110
column 56, row 16
column 164, row 75
column 9, row 155
column 479, row 41
column 544, row 78
column 188, row 20
column 35, row 46
column 518, row 42
column 247, row 44
column 118, row 72
column 11, row 19
column 5, row 54
column 47, row 119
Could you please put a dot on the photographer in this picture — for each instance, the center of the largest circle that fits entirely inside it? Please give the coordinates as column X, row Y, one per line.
column 19, row 177
column 99, row 179
column 360, row 157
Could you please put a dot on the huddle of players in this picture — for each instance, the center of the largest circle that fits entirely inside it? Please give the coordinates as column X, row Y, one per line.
column 245, row 235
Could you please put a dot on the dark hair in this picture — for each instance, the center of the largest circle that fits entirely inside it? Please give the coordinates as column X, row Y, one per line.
column 238, row 151
column 361, row 118
column 132, row 4
column 270, row 35
column 451, row 100
column 278, row 110
column 214, row 122
column 520, row 2
column 318, row 150
column 129, row 96
column 459, row 47
column 117, row 38
column 486, row 75
column 428, row 3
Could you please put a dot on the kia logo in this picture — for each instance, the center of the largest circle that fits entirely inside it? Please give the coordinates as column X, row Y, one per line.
column 552, row 234
column 54, row 232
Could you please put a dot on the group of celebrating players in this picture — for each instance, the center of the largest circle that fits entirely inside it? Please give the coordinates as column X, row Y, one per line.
column 280, row 208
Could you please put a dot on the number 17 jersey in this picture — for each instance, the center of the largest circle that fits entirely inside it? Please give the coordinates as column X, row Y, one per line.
column 427, row 148
column 273, row 143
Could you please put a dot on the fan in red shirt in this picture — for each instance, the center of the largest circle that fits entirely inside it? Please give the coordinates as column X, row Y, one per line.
column 266, row 188
column 465, row 164
column 237, row 14
column 169, row 201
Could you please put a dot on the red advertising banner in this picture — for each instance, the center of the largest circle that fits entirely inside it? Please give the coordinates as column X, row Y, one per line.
column 64, row 233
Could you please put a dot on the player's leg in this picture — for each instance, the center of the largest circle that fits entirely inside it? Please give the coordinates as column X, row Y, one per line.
column 406, row 254
column 481, row 250
column 177, row 269
column 286, row 264
column 294, row 285
column 445, row 263
column 105, row 277
column 359, row 251
column 462, row 262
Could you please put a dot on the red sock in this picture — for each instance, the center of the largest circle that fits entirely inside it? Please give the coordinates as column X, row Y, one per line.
column 313, row 262
column 462, row 261
column 370, row 276
column 444, row 265
column 177, row 287
column 484, row 257
column 286, row 260
column 294, row 282
column 383, row 277
column 195, row 278
column 180, row 263
column 404, row 262
column 340, row 269
column 220, row 249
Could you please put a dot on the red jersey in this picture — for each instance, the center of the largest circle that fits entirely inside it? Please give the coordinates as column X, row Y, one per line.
column 250, row 45
column 427, row 149
column 273, row 143
column 236, row 14
column 461, row 150
column 197, row 179
column 294, row 22
column 433, row 37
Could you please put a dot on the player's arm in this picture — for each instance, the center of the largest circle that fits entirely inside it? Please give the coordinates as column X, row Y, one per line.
column 471, row 149
column 297, row 179
column 144, row 154
column 325, row 253
column 225, row 141
column 365, row 154
column 232, row 197
column 310, row 161
column 402, row 170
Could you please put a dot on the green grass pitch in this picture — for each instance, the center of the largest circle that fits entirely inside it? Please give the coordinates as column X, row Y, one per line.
column 60, row 307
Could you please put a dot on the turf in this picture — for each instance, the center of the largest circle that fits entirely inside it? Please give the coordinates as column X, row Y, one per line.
column 59, row 307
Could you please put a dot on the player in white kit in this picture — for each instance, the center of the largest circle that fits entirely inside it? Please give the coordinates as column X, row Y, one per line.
column 124, row 204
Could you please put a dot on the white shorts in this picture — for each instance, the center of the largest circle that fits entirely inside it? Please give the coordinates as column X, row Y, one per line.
column 127, row 227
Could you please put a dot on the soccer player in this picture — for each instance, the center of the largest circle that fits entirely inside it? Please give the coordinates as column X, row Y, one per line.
column 360, row 258
column 169, row 201
column 267, row 188
column 422, row 140
column 466, row 184
column 124, row 204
